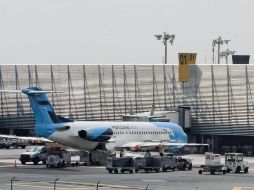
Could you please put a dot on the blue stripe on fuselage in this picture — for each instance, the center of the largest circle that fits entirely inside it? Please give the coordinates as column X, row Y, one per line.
column 178, row 134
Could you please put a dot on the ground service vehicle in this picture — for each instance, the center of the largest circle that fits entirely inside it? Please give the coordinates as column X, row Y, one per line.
column 234, row 162
column 183, row 163
column 168, row 162
column 212, row 164
column 4, row 143
column 13, row 142
column 122, row 164
column 57, row 156
column 35, row 155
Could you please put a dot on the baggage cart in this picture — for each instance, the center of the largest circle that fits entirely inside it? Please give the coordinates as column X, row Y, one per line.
column 148, row 164
column 120, row 164
column 212, row 164
column 168, row 163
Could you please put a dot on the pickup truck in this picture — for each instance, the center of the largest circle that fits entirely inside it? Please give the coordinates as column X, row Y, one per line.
column 35, row 155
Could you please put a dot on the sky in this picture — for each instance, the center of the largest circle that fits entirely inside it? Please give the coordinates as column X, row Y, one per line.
column 121, row 31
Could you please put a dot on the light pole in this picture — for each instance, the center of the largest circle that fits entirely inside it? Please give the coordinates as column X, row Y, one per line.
column 55, row 183
column 226, row 54
column 165, row 37
column 220, row 42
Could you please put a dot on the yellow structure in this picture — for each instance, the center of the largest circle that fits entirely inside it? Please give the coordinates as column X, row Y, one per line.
column 184, row 60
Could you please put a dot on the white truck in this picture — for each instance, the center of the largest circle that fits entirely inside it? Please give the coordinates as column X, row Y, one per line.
column 35, row 155
column 212, row 164
column 234, row 162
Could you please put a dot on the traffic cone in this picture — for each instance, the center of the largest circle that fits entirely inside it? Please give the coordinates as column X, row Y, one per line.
column 15, row 164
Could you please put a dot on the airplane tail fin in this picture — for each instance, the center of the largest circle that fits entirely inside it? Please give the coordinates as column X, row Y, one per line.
column 42, row 109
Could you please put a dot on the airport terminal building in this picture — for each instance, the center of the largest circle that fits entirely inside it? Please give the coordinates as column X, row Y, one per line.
column 219, row 97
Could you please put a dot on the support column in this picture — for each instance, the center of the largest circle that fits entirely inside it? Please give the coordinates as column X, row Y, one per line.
column 124, row 89
column 164, row 86
column 136, row 96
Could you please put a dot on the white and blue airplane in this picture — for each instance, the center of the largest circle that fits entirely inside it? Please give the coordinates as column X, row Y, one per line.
column 89, row 135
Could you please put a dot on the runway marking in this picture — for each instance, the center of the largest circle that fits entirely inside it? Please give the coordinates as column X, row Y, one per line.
column 50, row 184
column 47, row 187
column 68, row 183
column 241, row 188
column 153, row 180
column 94, row 184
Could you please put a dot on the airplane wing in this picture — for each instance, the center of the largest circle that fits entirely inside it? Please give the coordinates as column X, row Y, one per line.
column 140, row 145
column 39, row 139
column 182, row 144
column 150, row 145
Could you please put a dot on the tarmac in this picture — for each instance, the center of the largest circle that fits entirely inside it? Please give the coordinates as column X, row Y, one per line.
column 34, row 177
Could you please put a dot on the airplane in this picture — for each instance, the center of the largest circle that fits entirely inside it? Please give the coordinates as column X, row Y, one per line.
column 91, row 135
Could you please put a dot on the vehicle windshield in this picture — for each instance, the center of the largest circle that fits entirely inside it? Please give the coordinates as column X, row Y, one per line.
column 34, row 149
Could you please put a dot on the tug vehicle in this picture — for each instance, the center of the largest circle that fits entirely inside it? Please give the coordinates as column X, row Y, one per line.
column 234, row 162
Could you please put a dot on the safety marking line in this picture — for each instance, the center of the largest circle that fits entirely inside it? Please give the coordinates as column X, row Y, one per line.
column 76, row 186
column 94, row 184
column 47, row 187
column 240, row 188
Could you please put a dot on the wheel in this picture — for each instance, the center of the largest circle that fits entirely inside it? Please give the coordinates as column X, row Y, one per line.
column 157, row 170
column 131, row 171
column 63, row 164
column 23, row 146
column 115, row 171
column 184, row 167
column 36, row 161
column 164, row 169
column 122, row 171
column 110, row 171
column 200, row 171
column 246, row 170
column 44, row 161
column 190, row 167
column 23, row 162
column 136, row 170
column 228, row 170
column 238, row 169
column 224, row 171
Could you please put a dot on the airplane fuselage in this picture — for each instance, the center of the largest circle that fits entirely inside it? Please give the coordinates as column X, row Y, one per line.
column 122, row 133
